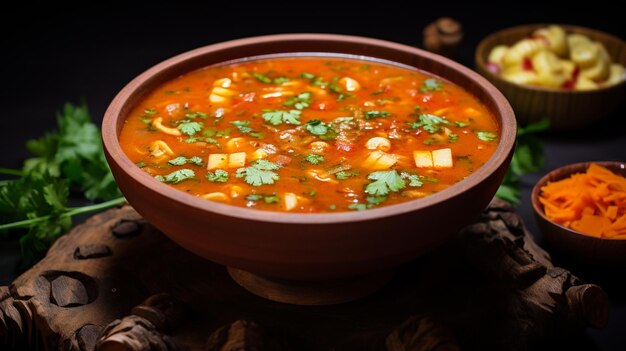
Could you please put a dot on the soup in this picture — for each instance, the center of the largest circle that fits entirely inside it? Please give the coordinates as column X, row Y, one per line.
column 309, row 134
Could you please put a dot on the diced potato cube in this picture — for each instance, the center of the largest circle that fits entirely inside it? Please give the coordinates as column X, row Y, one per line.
column 290, row 201
column 259, row 154
column 423, row 158
column 236, row 160
column 217, row 161
column 442, row 158
column 217, row 196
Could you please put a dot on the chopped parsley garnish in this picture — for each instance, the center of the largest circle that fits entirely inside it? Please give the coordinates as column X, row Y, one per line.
column 376, row 114
column 317, row 127
column 260, row 173
column 384, row 182
column 358, row 207
column 268, row 199
column 261, row 77
column 182, row 160
column 243, row 127
column 219, row 176
column 140, row 164
column 486, row 136
column 277, row 117
column 149, row 112
column 280, row 80
column 267, row 80
column 343, row 175
column 372, row 201
column 432, row 123
column 300, row 101
column 378, row 92
column 196, row 114
column 453, row 138
column 307, row 75
column 177, row 176
column 190, row 128
column 314, row 159
column 431, row 85
column 432, row 141
column 461, row 124
column 414, row 179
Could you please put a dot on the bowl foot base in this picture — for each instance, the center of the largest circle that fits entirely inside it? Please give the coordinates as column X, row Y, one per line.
column 296, row 292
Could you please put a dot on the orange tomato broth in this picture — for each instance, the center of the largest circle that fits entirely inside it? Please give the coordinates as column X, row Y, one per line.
column 315, row 167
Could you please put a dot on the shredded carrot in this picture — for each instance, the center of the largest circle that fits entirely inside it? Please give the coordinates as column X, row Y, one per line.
column 592, row 203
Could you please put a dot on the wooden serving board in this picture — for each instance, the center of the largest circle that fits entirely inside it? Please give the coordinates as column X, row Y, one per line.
column 116, row 283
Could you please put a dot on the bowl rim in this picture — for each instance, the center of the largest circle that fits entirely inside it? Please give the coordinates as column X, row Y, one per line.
column 481, row 62
column 112, row 117
column 575, row 168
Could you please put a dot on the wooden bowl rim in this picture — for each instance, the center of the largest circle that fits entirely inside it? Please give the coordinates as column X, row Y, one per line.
column 481, row 53
column 573, row 168
column 113, row 117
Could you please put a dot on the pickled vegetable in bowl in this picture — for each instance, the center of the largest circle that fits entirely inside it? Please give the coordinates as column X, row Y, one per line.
column 552, row 58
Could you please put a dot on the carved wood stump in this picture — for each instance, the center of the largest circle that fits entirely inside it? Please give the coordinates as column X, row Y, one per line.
column 116, row 283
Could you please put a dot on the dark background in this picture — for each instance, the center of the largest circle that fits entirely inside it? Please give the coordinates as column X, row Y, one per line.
column 58, row 53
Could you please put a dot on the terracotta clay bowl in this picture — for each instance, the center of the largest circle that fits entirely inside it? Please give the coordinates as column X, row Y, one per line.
column 335, row 252
column 586, row 248
column 565, row 109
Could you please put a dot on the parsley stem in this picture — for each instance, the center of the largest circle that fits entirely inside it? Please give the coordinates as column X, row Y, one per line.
column 9, row 171
column 96, row 207
column 27, row 223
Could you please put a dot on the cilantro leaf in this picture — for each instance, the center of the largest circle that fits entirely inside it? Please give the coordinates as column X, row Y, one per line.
column 431, row 85
column 376, row 114
column 317, row 127
column 177, row 176
column 190, row 128
column 453, row 138
column 261, row 77
column 182, row 160
column 178, row 161
column 74, row 152
column 219, row 176
column 277, row 117
column 414, row 179
column 430, row 123
column 196, row 114
column 280, row 80
column 486, row 136
column 358, row 207
column 244, row 127
column 314, row 159
column 300, row 101
column 384, row 182
column 343, row 175
column 260, row 173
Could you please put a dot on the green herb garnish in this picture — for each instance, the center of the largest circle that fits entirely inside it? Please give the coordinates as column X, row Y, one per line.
column 260, row 173
column 277, row 117
column 219, row 176
column 314, row 159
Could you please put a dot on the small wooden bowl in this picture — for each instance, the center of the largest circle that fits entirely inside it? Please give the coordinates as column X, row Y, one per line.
column 566, row 109
column 590, row 249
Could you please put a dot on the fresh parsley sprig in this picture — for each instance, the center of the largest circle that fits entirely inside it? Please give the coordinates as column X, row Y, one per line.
column 35, row 204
